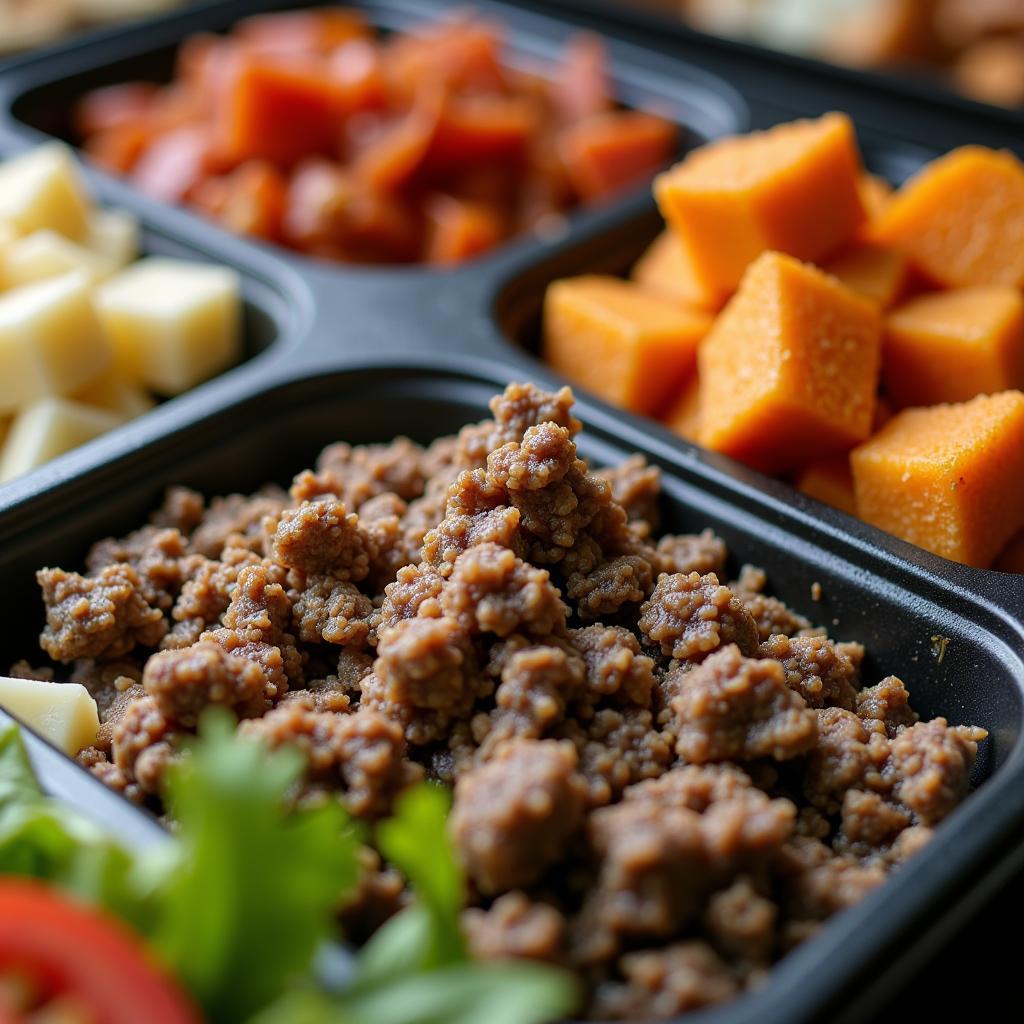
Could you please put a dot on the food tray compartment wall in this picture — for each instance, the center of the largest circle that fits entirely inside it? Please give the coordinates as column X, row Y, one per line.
column 37, row 97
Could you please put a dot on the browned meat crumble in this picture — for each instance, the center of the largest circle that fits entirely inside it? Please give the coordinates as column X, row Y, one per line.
column 661, row 779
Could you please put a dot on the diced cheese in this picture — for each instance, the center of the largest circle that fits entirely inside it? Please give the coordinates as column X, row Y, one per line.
column 118, row 394
column 47, row 429
column 51, row 341
column 44, row 254
column 173, row 323
column 8, row 235
column 62, row 713
column 115, row 235
column 44, row 189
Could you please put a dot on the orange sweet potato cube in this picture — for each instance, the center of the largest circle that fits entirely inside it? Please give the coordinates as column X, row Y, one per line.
column 877, row 272
column 631, row 348
column 875, row 193
column 951, row 346
column 793, row 188
column 949, row 478
column 665, row 269
column 683, row 415
column 790, row 369
column 961, row 219
column 831, row 482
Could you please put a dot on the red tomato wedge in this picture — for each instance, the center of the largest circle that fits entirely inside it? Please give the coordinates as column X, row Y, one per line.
column 69, row 952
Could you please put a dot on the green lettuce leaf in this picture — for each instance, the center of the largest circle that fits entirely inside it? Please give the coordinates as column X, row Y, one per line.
column 415, row 840
column 256, row 886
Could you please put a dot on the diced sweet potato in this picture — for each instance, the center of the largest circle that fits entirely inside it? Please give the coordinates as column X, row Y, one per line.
column 683, row 416
column 357, row 72
column 877, row 272
column 793, row 189
column 951, row 346
column 961, row 219
column 949, row 478
column 629, row 347
column 608, row 152
column 789, row 370
column 830, row 481
column 278, row 111
column 665, row 269
column 875, row 193
column 1011, row 558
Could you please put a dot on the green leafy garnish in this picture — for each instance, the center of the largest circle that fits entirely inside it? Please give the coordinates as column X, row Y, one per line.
column 415, row 840
column 255, row 887
column 239, row 901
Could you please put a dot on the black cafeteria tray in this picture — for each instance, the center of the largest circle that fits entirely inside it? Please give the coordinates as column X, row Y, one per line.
column 362, row 354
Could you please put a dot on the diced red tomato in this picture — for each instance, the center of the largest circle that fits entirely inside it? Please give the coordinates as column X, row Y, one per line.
column 173, row 164
column 66, row 953
column 282, row 111
column 459, row 230
column 113, row 107
column 610, row 151
column 481, row 129
column 300, row 33
column 582, row 86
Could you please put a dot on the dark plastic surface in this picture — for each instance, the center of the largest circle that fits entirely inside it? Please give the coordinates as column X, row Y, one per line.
column 363, row 354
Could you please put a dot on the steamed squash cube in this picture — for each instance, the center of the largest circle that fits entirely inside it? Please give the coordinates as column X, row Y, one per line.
column 793, row 188
column 949, row 478
column 629, row 347
column 63, row 713
column 44, row 189
column 951, row 346
column 961, row 219
column 45, row 254
column 877, row 272
column 173, row 323
column 114, row 235
column 51, row 341
column 683, row 415
column 48, row 428
column 789, row 370
column 665, row 269
column 830, row 481
column 875, row 193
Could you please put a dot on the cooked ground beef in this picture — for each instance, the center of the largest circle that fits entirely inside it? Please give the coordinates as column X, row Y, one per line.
column 660, row 780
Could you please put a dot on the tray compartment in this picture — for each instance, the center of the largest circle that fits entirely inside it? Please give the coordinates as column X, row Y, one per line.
column 894, row 609
column 36, row 99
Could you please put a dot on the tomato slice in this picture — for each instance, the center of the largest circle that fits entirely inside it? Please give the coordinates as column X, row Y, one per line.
column 73, row 953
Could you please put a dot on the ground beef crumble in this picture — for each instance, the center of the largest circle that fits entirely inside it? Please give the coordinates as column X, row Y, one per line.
column 660, row 780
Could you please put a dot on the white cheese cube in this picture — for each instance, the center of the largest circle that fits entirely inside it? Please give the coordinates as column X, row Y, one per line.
column 115, row 235
column 8, row 236
column 44, row 254
column 117, row 394
column 44, row 189
column 51, row 341
column 62, row 713
column 173, row 323
column 49, row 428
